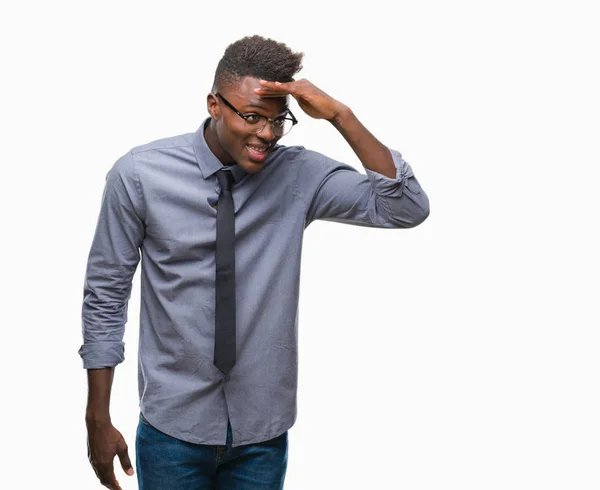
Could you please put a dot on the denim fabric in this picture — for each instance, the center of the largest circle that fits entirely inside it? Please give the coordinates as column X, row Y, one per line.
column 166, row 463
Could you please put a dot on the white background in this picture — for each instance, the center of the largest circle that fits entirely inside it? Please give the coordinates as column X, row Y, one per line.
column 466, row 349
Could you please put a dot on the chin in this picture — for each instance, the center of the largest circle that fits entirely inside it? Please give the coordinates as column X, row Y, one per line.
column 249, row 165
column 252, row 167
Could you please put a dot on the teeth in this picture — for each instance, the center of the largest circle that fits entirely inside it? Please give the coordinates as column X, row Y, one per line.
column 258, row 148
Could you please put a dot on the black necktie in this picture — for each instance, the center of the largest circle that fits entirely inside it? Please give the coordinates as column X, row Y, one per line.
column 225, row 277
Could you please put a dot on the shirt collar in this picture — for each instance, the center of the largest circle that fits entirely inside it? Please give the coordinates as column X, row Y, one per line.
column 207, row 161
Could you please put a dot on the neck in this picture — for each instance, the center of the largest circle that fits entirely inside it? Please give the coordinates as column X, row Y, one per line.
column 214, row 145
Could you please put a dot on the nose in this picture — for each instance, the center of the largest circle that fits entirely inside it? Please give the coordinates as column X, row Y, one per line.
column 266, row 133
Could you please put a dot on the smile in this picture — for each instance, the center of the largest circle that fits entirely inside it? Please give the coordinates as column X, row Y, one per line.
column 257, row 152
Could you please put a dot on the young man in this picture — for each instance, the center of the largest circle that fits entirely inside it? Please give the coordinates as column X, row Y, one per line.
column 218, row 216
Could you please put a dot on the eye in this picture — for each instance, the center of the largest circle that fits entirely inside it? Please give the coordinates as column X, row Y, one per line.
column 253, row 118
column 279, row 122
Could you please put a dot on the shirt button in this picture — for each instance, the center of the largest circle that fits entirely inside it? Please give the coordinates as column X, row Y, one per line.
column 227, row 377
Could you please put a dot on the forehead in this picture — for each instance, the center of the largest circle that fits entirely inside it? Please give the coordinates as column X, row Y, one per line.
column 242, row 96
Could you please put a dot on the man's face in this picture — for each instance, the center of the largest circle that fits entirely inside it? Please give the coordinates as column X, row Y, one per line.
column 249, row 150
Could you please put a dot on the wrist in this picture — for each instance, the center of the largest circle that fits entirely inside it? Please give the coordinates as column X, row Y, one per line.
column 95, row 418
column 342, row 114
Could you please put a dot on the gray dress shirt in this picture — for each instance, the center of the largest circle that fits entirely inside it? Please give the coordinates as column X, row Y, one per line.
column 158, row 204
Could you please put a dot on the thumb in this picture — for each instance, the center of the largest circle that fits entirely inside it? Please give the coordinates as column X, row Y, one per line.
column 124, row 459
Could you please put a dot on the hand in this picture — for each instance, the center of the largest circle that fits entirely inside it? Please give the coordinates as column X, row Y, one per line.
column 311, row 99
column 104, row 443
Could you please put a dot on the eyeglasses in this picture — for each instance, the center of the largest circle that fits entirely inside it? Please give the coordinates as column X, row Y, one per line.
column 255, row 123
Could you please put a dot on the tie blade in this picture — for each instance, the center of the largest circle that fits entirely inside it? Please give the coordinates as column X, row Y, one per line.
column 225, row 334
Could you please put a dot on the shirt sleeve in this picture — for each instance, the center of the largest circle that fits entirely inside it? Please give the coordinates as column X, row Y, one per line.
column 337, row 192
column 112, row 262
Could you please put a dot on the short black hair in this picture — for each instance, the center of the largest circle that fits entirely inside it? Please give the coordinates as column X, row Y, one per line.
column 257, row 57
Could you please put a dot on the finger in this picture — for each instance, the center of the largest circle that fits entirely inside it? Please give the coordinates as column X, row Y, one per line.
column 270, row 95
column 113, row 486
column 270, row 83
column 106, row 474
column 125, row 461
column 287, row 86
column 268, row 90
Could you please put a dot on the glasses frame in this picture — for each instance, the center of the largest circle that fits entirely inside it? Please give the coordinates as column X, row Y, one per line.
column 268, row 120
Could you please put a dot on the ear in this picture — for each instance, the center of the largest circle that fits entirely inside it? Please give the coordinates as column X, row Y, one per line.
column 212, row 104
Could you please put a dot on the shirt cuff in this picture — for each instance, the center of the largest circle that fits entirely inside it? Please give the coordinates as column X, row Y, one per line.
column 98, row 355
column 386, row 186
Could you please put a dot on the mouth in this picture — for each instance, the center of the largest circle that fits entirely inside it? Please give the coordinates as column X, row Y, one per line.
column 257, row 153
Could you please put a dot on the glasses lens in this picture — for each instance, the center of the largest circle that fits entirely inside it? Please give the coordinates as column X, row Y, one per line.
column 255, row 124
column 280, row 127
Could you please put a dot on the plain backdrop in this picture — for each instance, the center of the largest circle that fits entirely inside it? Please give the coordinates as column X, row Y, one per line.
column 481, row 325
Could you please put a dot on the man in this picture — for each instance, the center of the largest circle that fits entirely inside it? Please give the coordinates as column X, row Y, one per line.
column 219, row 295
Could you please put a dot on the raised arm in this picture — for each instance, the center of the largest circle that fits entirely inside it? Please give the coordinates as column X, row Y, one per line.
column 390, row 196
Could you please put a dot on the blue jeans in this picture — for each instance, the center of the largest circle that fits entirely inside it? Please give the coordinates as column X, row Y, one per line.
column 166, row 463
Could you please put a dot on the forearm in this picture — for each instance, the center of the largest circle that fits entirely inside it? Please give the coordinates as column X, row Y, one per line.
column 99, row 388
column 373, row 154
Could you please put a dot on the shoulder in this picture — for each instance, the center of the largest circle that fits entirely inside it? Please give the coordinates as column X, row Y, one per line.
column 164, row 153
column 301, row 155
column 126, row 165
column 309, row 163
column 171, row 142
column 286, row 153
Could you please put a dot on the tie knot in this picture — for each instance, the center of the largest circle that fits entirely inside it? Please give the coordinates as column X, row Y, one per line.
column 226, row 179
